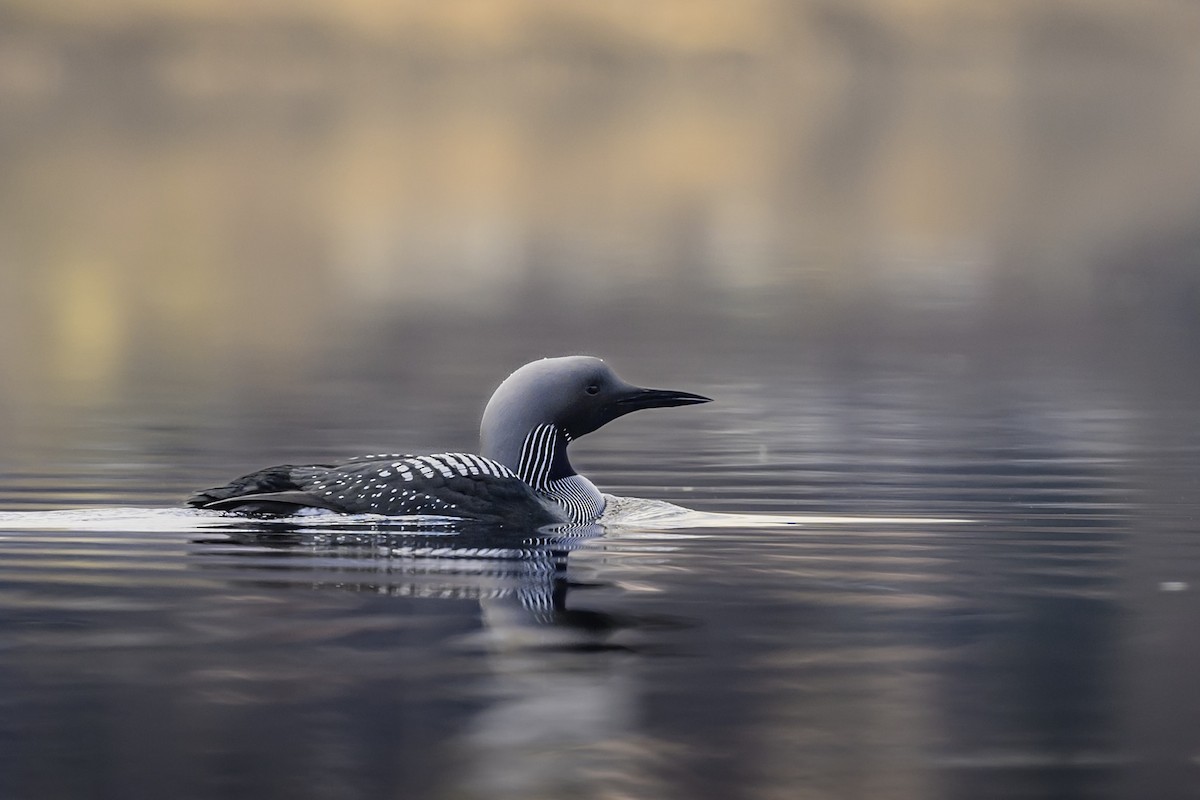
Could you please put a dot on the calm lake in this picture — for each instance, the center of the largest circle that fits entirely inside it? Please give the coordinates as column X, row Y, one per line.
column 940, row 585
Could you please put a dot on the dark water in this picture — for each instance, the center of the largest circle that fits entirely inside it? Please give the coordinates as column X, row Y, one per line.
column 986, row 589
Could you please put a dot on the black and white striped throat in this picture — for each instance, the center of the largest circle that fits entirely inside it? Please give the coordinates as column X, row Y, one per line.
column 544, row 456
column 545, row 467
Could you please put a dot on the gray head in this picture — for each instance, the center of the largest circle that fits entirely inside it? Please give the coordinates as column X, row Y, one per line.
column 574, row 394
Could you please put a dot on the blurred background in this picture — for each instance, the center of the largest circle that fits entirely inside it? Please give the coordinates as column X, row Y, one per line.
column 204, row 194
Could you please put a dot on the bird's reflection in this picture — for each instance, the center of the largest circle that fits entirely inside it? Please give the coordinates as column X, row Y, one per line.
column 524, row 571
column 559, row 691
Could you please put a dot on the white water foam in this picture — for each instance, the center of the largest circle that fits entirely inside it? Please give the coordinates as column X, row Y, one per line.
column 622, row 512
column 635, row 512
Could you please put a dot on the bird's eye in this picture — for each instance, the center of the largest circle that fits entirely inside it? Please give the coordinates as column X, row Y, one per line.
column 592, row 389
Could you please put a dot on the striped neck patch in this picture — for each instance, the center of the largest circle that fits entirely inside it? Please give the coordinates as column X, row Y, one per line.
column 537, row 456
column 575, row 494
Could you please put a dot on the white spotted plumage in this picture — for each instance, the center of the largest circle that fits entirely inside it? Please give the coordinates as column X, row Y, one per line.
column 448, row 465
column 362, row 483
column 577, row 498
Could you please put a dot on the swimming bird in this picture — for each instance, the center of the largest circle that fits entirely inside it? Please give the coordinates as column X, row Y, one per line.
column 522, row 475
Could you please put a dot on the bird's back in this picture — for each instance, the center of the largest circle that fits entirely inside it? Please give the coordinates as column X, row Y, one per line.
column 461, row 485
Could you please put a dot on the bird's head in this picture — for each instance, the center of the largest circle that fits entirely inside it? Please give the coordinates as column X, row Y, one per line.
column 576, row 394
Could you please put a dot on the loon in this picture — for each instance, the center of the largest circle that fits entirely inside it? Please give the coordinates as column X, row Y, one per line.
column 521, row 477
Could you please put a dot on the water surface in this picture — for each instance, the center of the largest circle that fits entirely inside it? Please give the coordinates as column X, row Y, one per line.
column 921, row 595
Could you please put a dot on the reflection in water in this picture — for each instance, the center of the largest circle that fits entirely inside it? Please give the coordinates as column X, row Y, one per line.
column 447, row 561
column 561, row 697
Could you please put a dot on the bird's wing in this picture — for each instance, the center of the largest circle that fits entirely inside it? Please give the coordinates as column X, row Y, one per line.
column 270, row 503
column 458, row 485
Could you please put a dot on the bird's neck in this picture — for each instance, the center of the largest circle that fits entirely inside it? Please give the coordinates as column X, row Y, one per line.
column 538, row 458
